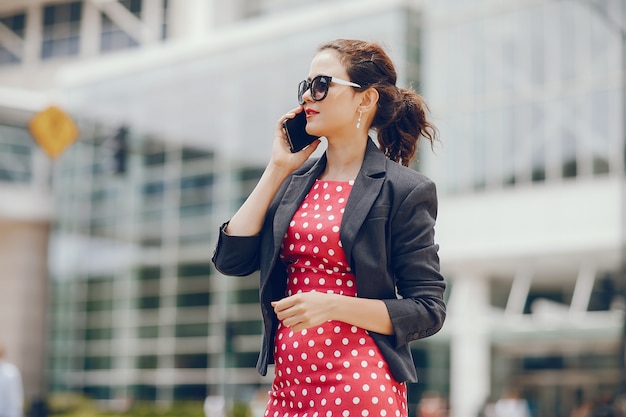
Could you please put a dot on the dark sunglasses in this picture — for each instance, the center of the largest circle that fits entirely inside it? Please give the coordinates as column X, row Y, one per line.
column 319, row 87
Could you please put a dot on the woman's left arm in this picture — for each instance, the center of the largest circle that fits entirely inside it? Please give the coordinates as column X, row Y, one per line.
column 304, row 310
column 421, row 310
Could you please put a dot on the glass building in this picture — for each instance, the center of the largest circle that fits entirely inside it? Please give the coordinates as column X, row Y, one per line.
column 530, row 101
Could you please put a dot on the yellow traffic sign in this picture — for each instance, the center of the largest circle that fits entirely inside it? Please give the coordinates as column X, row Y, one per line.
column 54, row 130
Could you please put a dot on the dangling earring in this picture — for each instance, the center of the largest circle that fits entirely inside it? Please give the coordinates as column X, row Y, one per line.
column 358, row 122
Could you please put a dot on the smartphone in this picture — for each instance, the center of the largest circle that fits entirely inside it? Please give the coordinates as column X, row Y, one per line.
column 295, row 129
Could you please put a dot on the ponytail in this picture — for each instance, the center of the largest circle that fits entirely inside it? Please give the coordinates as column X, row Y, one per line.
column 399, row 134
column 401, row 116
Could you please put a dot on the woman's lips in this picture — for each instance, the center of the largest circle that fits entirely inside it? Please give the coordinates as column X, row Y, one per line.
column 310, row 112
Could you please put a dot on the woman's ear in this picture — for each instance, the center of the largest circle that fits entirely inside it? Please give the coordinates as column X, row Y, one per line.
column 369, row 99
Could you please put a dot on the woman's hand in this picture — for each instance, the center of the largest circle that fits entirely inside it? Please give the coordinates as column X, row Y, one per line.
column 309, row 309
column 281, row 155
column 304, row 310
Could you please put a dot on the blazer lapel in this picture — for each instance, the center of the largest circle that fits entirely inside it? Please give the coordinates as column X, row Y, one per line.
column 294, row 194
column 364, row 192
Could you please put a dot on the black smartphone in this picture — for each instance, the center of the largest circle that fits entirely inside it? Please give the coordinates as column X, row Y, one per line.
column 295, row 129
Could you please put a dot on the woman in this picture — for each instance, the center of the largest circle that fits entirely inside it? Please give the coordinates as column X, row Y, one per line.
column 337, row 238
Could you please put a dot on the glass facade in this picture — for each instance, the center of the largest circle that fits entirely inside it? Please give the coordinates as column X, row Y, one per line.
column 531, row 91
column 529, row 99
column 153, row 297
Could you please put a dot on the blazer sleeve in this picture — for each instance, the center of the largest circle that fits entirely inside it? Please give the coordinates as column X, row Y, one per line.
column 236, row 255
column 420, row 312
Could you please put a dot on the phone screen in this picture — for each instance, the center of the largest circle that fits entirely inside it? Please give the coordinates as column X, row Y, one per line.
column 295, row 129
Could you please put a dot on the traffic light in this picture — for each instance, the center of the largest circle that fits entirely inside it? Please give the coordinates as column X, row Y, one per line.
column 120, row 142
column 113, row 152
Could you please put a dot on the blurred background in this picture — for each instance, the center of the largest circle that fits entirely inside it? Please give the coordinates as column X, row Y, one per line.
column 107, row 292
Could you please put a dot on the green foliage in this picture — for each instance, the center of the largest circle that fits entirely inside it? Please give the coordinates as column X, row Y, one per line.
column 75, row 405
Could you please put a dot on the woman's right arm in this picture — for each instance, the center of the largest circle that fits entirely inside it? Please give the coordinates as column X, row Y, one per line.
column 248, row 220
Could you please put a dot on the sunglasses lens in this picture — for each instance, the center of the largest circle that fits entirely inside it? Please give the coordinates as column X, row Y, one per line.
column 319, row 88
column 302, row 87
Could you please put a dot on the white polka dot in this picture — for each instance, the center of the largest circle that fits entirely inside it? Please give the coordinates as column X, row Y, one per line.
column 324, row 239
column 356, row 400
column 335, row 229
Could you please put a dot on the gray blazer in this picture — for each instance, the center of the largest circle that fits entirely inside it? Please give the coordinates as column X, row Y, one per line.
column 387, row 234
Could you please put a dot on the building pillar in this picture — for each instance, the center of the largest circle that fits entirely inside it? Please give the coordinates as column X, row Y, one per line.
column 33, row 36
column 470, row 383
column 23, row 254
column 90, row 30
column 190, row 18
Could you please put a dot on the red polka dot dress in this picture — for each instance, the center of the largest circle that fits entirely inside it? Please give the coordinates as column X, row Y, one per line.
column 335, row 369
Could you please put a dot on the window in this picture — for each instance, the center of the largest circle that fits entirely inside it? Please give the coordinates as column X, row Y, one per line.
column 61, row 30
column 192, row 330
column 9, row 49
column 148, row 303
column 192, row 361
column 15, row 154
column 148, row 332
column 194, row 270
column 113, row 37
column 98, row 362
column 201, row 299
column 147, row 362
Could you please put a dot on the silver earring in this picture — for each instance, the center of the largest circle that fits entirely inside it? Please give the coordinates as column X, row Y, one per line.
column 358, row 122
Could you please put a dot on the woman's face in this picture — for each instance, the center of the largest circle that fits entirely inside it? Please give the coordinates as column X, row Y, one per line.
column 337, row 113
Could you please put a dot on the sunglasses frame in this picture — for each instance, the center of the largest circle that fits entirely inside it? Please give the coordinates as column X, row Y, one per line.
column 309, row 84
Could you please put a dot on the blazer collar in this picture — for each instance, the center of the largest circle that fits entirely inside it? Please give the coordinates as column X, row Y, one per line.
column 364, row 192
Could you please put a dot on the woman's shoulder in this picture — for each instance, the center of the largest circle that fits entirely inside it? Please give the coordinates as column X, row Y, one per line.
column 401, row 176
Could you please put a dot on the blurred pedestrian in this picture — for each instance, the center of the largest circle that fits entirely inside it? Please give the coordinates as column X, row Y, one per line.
column 432, row 404
column 604, row 406
column 333, row 325
column 583, row 409
column 487, row 409
column 512, row 404
column 11, row 389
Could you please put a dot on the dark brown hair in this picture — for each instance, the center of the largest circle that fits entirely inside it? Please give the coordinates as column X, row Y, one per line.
column 400, row 119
